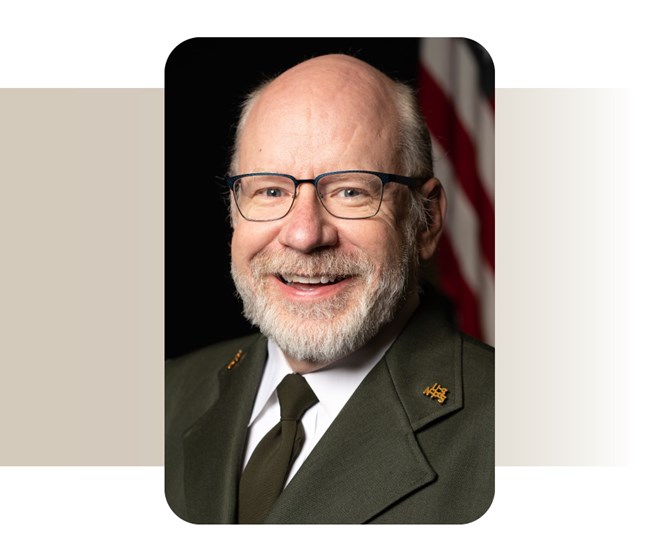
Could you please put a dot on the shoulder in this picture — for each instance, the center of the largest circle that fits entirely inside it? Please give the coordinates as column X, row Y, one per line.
column 437, row 329
column 477, row 363
column 476, row 354
column 476, row 347
column 192, row 379
column 207, row 358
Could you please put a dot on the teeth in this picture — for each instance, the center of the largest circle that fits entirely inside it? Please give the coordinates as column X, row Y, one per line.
column 311, row 280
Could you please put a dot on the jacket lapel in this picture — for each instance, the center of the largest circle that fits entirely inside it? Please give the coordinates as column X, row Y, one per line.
column 214, row 444
column 370, row 458
column 427, row 354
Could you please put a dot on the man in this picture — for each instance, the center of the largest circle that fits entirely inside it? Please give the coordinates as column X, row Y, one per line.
column 334, row 207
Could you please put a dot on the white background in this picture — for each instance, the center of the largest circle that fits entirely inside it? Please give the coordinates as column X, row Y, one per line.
column 551, row 44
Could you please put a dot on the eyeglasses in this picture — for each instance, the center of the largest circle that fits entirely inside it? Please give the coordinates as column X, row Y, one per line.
column 347, row 194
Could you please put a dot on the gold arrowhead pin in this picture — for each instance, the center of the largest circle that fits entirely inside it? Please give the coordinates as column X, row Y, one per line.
column 437, row 392
column 235, row 359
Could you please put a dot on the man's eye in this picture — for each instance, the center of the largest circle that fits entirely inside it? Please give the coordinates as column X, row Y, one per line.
column 270, row 192
column 350, row 193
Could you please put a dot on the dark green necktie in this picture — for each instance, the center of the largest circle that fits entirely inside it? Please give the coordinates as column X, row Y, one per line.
column 263, row 479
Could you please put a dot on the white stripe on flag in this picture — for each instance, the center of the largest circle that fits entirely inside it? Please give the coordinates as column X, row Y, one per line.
column 462, row 225
column 454, row 68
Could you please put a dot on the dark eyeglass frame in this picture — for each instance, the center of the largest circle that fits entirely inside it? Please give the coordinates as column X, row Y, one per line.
column 411, row 182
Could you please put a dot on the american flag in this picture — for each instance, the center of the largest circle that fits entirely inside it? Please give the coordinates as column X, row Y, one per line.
column 456, row 88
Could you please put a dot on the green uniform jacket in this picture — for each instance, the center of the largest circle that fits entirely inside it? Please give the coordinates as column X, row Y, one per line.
column 393, row 455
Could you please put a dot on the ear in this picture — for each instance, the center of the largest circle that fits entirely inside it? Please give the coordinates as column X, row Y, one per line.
column 233, row 212
column 436, row 205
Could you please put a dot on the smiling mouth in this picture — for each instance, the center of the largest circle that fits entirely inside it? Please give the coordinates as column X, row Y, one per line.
column 292, row 279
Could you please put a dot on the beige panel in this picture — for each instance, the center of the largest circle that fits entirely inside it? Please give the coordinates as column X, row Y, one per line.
column 81, row 237
column 562, row 185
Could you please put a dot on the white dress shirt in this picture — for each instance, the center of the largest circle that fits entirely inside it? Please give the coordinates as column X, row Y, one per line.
column 333, row 385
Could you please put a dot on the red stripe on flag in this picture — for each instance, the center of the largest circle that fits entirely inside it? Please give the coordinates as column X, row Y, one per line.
column 445, row 125
column 456, row 288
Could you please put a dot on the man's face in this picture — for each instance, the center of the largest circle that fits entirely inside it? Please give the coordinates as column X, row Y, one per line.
column 320, row 286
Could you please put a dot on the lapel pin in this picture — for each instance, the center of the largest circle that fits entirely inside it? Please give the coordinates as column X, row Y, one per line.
column 235, row 360
column 437, row 392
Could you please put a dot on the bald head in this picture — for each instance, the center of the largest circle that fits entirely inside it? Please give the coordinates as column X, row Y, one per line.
column 319, row 110
column 333, row 80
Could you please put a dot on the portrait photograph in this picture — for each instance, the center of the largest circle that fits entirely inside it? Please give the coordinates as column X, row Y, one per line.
column 329, row 280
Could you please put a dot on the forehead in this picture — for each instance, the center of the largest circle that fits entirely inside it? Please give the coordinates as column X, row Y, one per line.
column 323, row 116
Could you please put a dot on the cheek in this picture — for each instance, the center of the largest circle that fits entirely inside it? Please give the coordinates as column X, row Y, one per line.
column 377, row 239
column 247, row 241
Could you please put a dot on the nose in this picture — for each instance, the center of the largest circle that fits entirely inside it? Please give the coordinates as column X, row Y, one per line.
column 308, row 226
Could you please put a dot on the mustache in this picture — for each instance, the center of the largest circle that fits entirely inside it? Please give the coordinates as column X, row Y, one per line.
column 318, row 263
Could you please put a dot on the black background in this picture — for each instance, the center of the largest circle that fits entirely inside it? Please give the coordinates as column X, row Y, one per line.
column 205, row 81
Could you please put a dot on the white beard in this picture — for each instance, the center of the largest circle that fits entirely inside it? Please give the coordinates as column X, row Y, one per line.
column 324, row 331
